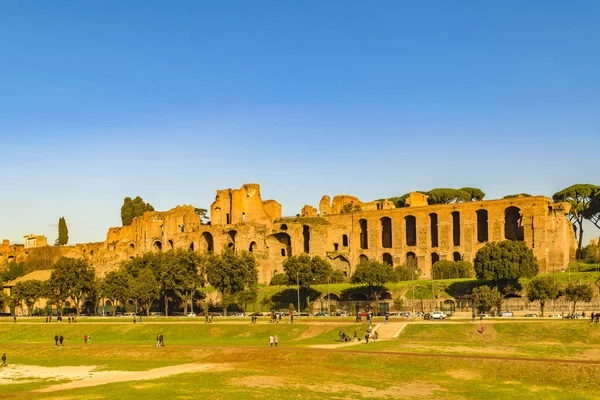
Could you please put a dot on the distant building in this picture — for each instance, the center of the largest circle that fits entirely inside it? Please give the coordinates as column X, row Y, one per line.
column 32, row 241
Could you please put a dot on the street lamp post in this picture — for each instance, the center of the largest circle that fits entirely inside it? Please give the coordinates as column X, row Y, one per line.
column 432, row 290
column 298, row 283
column 328, row 306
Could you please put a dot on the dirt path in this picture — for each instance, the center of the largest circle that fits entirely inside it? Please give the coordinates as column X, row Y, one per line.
column 104, row 377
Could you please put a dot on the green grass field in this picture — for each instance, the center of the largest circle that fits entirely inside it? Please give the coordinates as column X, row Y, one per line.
column 428, row 360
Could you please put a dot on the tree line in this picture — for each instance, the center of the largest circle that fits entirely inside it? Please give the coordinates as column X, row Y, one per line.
column 172, row 279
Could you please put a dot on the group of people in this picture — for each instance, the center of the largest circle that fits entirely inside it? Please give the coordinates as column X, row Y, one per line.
column 273, row 340
column 274, row 318
column 60, row 318
column 58, row 339
column 369, row 317
column 160, row 340
column 595, row 317
column 87, row 339
column 135, row 319
column 209, row 318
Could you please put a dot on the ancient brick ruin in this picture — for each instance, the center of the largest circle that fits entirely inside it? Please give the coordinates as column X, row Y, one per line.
column 240, row 219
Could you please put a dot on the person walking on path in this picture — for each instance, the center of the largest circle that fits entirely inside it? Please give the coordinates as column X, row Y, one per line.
column 162, row 340
column 271, row 340
column 367, row 337
column 592, row 317
column 15, row 318
column 134, row 319
column 141, row 319
column 275, row 340
column 473, row 317
column 61, row 339
column 4, row 360
column 158, row 340
column 387, row 318
column 56, row 340
column 84, row 338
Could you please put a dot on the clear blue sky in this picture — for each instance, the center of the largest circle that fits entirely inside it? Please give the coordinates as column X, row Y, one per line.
column 174, row 100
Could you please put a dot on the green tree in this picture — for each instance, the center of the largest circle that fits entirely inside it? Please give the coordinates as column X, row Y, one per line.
column 513, row 196
column 41, row 258
column 485, row 297
column 542, row 289
column 13, row 271
column 230, row 273
column 133, row 208
column 582, row 198
column 267, row 303
column 145, row 288
column 116, row 286
column 63, row 232
column 505, row 262
column 447, row 196
column 202, row 212
column 306, row 272
column 279, row 280
column 182, row 275
column 409, row 271
column 398, row 303
column 578, row 293
column 28, row 292
column 452, row 269
column 374, row 275
column 474, row 193
column 73, row 277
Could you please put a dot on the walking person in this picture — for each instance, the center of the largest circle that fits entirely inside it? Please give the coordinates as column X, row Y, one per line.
column 141, row 319
column 56, row 340
column 275, row 340
column 134, row 319
column 271, row 341
column 4, row 360
column 473, row 317
column 61, row 339
column 158, row 340
column 84, row 338
column 15, row 318
column 592, row 317
column 387, row 318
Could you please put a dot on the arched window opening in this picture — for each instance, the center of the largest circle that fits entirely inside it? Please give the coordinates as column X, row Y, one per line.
column 232, row 235
column 457, row 256
column 282, row 252
column 336, row 247
column 482, row 226
column 411, row 230
column 387, row 259
column 157, row 245
column 306, row 237
column 192, row 246
column 131, row 246
column 345, row 240
column 206, row 242
column 283, row 227
column 435, row 257
column 433, row 223
column 513, row 224
column 252, row 247
column 386, row 232
column 171, row 246
column 362, row 258
column 364, row 239
column 456, row 228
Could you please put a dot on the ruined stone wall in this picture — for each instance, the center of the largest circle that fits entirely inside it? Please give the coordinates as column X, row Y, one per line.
column 256, row 226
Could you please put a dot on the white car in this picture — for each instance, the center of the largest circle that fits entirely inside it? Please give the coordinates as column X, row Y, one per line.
column 192, row 314
column 438, row 315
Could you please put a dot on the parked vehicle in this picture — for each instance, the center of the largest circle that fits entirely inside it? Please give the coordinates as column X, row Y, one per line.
column 530, row 315
column 484, row 315
column 438, row 315
column 427, row 316
column 506, row 314
column 419, row 314
column 405, row 314
column 192, row 314
column 554, row 316
column 321, row 314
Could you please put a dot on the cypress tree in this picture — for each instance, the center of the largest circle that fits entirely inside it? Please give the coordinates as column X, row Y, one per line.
column 63, row 232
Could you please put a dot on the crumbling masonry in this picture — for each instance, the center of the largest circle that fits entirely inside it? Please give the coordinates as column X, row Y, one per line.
column 344, row 231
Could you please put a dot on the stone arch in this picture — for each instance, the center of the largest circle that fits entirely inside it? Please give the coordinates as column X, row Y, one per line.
column 341, row 263
column 206, row 242
column 482, row 226
column 280, row 244
column 332, row 297
column 358, row 297
column 433, row 224
column 364, row 238
column 157, row 245
column 11, row 259
column 435, row 257
column 386, row 232
column 252, row 247
column 131, row 247
column 456, row 256
column 191, row 246
column 362, row 258
column 456, row 228
column 232, row 234
column 345, row 240
column 385, row 296
column 411, row 230
column 513, row 224
column 171, row 245
column 387, row 259
column 306, row 238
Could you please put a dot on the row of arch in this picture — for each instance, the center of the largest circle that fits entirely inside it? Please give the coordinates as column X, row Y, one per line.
column 513, row 228
column 411, row 257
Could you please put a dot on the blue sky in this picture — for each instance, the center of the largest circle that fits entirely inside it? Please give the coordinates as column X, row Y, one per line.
column 174, row 100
